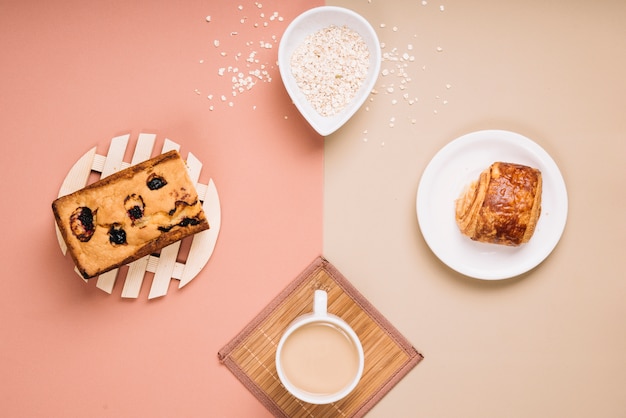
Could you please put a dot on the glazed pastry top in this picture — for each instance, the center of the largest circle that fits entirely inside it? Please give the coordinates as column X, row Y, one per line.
column 503, row 206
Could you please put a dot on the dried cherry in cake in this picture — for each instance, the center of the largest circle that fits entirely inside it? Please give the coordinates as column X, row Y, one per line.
column 184, row 223
column 117, row 235
column 82, row 223
column 134, row 206
column 189, row 221
column 135, row 213
column 155, row 182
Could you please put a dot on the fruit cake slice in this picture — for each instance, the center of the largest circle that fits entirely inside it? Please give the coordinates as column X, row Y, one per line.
column 129, row 214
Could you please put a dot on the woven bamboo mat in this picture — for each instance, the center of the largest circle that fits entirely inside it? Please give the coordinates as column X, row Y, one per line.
column 388, row 355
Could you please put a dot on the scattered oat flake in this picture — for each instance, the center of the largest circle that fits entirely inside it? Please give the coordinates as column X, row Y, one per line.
column 208, row 18
column 216, row 43
column 442, row 8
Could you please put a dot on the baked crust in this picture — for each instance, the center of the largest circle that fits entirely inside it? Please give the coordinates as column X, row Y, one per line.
column 502, row 206
column 129, row 214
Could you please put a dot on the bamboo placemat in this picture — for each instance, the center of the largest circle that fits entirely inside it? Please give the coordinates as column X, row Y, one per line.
column 389, row 356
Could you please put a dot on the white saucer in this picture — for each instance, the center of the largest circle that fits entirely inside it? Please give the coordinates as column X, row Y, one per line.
column 459, row 163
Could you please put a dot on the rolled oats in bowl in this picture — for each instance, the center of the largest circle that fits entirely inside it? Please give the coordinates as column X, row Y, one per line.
column 329, row 59
column 330, row 66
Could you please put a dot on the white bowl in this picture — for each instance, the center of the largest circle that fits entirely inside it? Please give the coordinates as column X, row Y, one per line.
column 310, row 22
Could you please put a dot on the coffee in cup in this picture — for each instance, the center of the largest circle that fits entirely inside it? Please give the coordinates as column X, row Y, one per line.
column 319, row 358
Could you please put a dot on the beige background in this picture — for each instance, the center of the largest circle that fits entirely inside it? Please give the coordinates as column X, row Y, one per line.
column 552, row 342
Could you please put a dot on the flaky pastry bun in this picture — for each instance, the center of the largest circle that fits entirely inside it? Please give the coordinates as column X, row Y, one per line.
column 502, row 206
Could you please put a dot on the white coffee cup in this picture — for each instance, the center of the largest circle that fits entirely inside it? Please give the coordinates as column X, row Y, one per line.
column 320, row 358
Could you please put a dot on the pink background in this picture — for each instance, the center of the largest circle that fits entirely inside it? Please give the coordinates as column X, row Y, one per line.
column 74, row 74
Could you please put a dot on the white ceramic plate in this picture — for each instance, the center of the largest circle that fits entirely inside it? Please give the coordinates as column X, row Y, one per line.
column 459, row 163
column 310, row 22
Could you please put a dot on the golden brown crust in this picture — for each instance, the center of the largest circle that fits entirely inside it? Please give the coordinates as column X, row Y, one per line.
column 129, row 214
column 502, row 206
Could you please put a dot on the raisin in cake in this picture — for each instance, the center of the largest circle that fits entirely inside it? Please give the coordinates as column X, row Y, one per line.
column 129, row 214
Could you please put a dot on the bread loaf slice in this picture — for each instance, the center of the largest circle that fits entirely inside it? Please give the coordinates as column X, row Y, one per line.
column 129, row 214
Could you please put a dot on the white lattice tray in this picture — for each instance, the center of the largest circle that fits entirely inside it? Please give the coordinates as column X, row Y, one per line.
column 166, row 265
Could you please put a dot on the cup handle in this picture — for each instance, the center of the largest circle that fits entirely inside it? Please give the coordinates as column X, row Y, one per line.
column 320, row 302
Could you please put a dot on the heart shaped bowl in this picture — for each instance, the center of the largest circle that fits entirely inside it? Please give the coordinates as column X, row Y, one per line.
column 307, row 24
